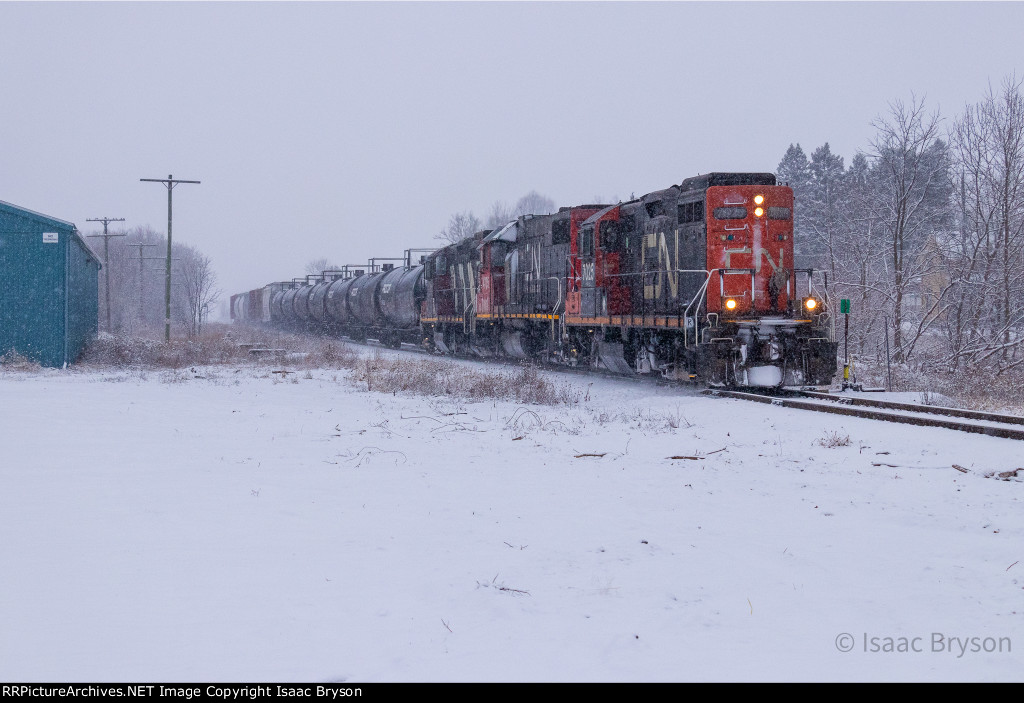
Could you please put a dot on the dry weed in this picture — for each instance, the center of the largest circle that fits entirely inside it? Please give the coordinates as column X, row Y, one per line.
column 219, row 344
column 446, row 378
column 831, row 440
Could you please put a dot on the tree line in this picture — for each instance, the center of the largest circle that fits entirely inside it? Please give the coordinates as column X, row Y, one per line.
column 923, row 232
column 137, row 274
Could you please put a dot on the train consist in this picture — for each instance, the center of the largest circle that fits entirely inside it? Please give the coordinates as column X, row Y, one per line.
column 694, row 282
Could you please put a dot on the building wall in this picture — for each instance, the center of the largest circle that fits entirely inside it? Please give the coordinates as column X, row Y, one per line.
column 48, row 287
column 83, row 298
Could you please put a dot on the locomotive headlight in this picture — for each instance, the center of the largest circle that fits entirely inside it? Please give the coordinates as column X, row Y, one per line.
column 758, row 200
column 758, row 212
column 811, row 304
column 730, row 304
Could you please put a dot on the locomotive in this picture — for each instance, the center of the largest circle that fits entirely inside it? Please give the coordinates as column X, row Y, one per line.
column 694, row 282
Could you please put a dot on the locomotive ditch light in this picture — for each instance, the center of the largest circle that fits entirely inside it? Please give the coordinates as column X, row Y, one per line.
column 730, row 304
column 810, row 304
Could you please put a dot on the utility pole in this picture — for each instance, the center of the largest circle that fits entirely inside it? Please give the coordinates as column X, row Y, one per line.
column 106, row 255
column 169, row 182
column 142, row 284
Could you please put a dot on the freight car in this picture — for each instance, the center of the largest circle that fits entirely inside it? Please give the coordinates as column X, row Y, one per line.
column 693, row 282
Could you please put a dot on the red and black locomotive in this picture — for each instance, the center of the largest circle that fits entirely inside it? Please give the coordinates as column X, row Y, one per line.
column 692, row 282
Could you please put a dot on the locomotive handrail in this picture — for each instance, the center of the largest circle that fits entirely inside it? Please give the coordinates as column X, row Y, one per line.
column 410, row 252
column 698, row 299
column 648, row 273
column 558, row 282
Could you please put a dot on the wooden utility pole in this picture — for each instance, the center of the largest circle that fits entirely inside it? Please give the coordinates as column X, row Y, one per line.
column 169, row 182
column 142, row 284
column 106, row 256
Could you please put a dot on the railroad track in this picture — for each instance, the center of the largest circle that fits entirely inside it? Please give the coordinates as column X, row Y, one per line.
column 994, row 425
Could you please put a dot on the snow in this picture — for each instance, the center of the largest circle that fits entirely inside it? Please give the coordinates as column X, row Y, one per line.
column 224, row 524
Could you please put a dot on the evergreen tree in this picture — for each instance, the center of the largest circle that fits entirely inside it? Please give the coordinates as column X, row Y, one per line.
column 794, row 171
column 821, row 217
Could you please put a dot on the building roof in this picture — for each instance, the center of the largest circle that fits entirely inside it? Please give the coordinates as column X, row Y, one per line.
column 37, row 215
column 49, row 221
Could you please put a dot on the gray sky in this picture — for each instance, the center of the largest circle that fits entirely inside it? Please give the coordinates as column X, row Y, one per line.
column 352, row 130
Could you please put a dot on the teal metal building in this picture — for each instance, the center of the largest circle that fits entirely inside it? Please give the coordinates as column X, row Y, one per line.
column 49, row 287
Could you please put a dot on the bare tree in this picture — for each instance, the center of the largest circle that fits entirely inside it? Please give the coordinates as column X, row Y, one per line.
column 856, row 250
column 533, row 203
column 197, row 289
column 911, row 181
column 318, row 266
column 500, row 215
column 460, row 226
column 987, row 256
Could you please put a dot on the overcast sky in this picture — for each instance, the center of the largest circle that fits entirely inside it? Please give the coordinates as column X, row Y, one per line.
column 352, row 130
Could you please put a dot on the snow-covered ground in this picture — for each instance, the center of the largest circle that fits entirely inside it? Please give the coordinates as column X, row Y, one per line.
column 225, row 524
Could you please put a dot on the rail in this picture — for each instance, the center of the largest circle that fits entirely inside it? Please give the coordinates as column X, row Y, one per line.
column 1003, row 426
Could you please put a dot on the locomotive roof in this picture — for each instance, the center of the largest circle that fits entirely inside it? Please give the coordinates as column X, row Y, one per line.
column 656, row 195
column 504, row 234
column 599, row 214
column 727, row 179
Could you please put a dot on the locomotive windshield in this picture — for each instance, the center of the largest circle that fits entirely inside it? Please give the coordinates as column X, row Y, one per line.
column 730, row 213
column 690, row 212
column 587, row 241
column 610, row 236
